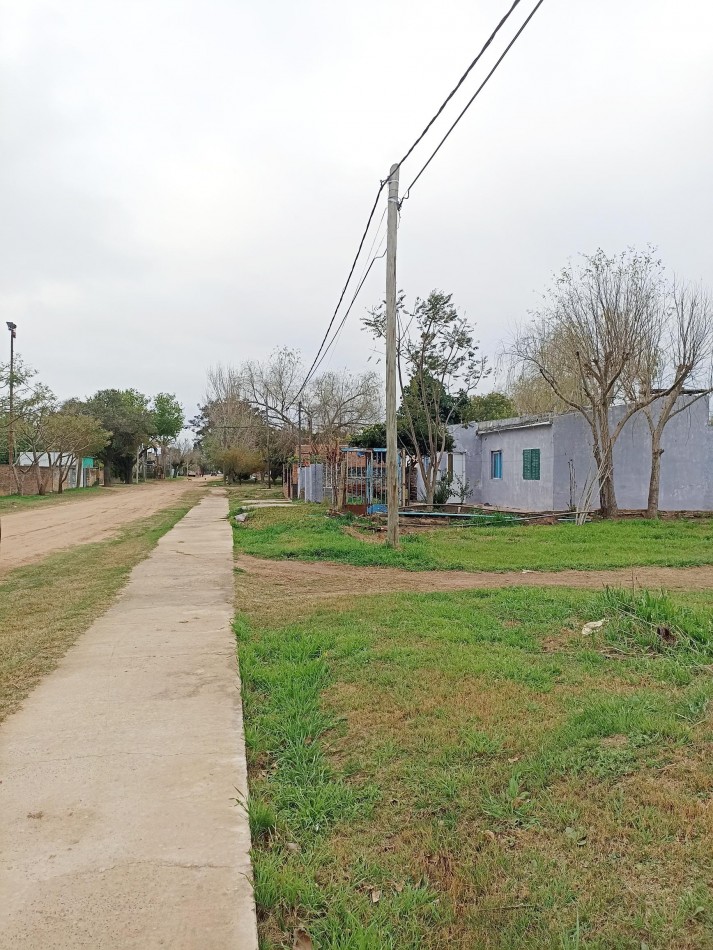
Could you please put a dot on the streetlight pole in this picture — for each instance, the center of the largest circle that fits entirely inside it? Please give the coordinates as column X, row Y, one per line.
column 12, row 327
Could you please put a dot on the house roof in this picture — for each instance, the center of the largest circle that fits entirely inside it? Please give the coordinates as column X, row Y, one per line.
column 517, row 422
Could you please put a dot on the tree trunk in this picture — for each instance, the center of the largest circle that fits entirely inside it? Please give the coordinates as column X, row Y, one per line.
column 16, row 476
column 604, row 456
column 607, row 495
column 652, row 505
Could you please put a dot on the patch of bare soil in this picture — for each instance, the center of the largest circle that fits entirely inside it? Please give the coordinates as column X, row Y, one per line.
column 29, row 536
column 310, row 580
column 371, row 537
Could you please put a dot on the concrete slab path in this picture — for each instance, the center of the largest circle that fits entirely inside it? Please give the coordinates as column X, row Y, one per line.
column 119, row 775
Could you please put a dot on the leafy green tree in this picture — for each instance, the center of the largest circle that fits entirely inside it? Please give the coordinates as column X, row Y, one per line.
column 168, row 422
column 438, row 364
column 127, row 415
column 71, row 436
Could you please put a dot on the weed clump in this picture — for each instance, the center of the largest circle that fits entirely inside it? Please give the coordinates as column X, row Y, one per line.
column 655, row 623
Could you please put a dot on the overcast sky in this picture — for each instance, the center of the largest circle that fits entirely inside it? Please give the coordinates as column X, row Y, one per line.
column 185, row 181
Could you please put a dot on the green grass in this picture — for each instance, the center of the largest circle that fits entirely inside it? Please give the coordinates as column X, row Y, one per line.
column 46, row 606
column 308, row 533
column 22, row 502
column 469, row 770
column 252, row 491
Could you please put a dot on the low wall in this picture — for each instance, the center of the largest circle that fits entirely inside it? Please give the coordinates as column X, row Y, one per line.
column 27, row 477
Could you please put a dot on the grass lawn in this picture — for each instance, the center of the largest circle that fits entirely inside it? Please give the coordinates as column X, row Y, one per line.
column 307, row 533
column 254, row 491
column 45, row 607
column 469, row 770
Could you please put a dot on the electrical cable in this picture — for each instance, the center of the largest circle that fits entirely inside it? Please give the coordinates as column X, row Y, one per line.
column 440, row 110
column 472, row 99
column 462, row 79
column 341, row 296
column 362, row 278
column 376, row 257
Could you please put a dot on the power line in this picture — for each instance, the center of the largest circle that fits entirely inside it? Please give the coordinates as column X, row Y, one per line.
column 341, row 296
column 462, row 79
column 364, row 274
column 486, row 45
column 376, row 257
column 472, row 99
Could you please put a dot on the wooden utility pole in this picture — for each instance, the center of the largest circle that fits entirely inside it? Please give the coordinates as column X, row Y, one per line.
column 12, row 327
column 299, row 446
column 392, row 484
column 267, row 424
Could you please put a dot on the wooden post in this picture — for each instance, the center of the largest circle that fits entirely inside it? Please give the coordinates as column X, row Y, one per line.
column 267, row 424
column 342, row 493
column 392, row 487
column 299, row 445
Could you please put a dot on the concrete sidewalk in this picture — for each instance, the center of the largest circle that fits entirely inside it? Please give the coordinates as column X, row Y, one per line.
column 118, row 822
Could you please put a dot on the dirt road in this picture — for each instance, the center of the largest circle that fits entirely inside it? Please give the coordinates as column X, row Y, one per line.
column 29, row 536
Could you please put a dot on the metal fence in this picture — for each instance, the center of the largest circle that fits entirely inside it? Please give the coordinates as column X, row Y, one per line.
column 356, row 480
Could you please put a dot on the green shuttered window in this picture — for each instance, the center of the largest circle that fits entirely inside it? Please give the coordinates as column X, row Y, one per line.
column 531, row 465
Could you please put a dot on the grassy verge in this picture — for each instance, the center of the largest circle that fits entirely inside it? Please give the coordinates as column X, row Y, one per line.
column 253, row 491
column 470, row 770
column 307, row 533
column 10, row 503
column 45, row 607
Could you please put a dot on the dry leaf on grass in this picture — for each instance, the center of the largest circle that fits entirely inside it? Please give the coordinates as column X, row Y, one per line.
column 375, row 895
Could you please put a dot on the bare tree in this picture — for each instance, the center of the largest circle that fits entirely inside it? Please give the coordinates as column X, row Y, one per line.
column 532, row 393
column 597, row 323
column 272, row 386
column 254, row 407
column 679, row 365
column 179, row 453
column 340, row 403
column 227, row 418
